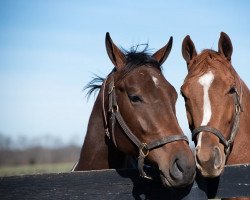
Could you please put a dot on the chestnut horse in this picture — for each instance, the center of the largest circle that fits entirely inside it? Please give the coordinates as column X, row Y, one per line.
column 134, row 114
column 218, row 106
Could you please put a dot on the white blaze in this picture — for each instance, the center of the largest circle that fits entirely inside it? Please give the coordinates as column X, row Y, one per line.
column 206, row 81
column 156, row 81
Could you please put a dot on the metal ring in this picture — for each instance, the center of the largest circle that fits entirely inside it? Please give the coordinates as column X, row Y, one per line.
column 115, row 108
column 144, row 147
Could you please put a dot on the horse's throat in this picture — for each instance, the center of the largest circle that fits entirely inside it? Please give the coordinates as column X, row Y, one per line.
column 241, row 147
column 98, row 151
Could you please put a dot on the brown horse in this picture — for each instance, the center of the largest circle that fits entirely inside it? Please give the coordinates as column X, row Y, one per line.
column 134, row 114
column 218, row 106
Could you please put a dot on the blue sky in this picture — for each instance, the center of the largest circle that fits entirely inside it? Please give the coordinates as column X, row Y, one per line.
column 49, row 51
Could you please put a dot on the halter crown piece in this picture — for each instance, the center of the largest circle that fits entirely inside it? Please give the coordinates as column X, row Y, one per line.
column 115, row 116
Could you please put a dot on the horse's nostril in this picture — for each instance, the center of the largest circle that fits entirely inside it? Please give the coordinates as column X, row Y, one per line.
column 217, row 158
column 176, row 170
column 182, row 169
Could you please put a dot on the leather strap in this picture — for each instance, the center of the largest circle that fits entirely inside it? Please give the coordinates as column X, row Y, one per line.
column 212, row 130
column 166, row 140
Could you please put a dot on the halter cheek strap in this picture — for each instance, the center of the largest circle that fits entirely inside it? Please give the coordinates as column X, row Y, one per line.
column 115, row 116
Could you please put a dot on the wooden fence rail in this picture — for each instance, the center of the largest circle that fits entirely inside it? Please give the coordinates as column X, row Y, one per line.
column 122, row 184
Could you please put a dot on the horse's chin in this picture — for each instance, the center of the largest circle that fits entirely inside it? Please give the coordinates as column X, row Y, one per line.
column 167, row 181
column 208, row 173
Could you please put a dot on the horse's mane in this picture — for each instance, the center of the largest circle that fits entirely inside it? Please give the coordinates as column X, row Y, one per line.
column 134, row 59
column 94, row 85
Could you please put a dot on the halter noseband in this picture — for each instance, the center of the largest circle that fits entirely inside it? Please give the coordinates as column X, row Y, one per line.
column 115, row 115
column 227, row 143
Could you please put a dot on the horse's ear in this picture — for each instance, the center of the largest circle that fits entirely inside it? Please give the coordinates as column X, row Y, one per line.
column 162, row 54
column 115, row 54
column 188, row 49
column 225, row 46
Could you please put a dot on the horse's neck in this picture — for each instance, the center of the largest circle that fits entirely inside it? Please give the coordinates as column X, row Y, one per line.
column 244, row 126
column 97, row 151
column 241, row 148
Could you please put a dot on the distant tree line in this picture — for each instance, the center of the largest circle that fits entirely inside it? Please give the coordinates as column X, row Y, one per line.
column 45, row 140
column 23, row 151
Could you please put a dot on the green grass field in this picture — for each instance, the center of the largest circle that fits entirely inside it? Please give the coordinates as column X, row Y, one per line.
column 35, row 169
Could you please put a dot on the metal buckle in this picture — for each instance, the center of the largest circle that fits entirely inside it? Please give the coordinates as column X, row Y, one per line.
column 237, row 108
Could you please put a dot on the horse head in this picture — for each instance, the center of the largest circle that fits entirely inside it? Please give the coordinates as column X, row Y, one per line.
column 212, row 92
column 141, row 117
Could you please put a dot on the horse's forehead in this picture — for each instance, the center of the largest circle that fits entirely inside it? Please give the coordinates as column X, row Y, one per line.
column 150, row 79
column 148, row 74
column 219, row 80
column 206, row 79
column 156, row 81
column 148, row 70
column 201, row 79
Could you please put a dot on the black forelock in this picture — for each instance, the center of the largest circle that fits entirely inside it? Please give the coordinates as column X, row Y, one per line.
column 135, row 58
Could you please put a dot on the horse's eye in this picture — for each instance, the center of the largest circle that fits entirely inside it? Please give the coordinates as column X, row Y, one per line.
column 135, row 98
column 232, row 90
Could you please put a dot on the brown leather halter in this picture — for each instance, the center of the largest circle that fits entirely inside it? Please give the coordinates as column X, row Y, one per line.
column 227, row 143
column 115, row 116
